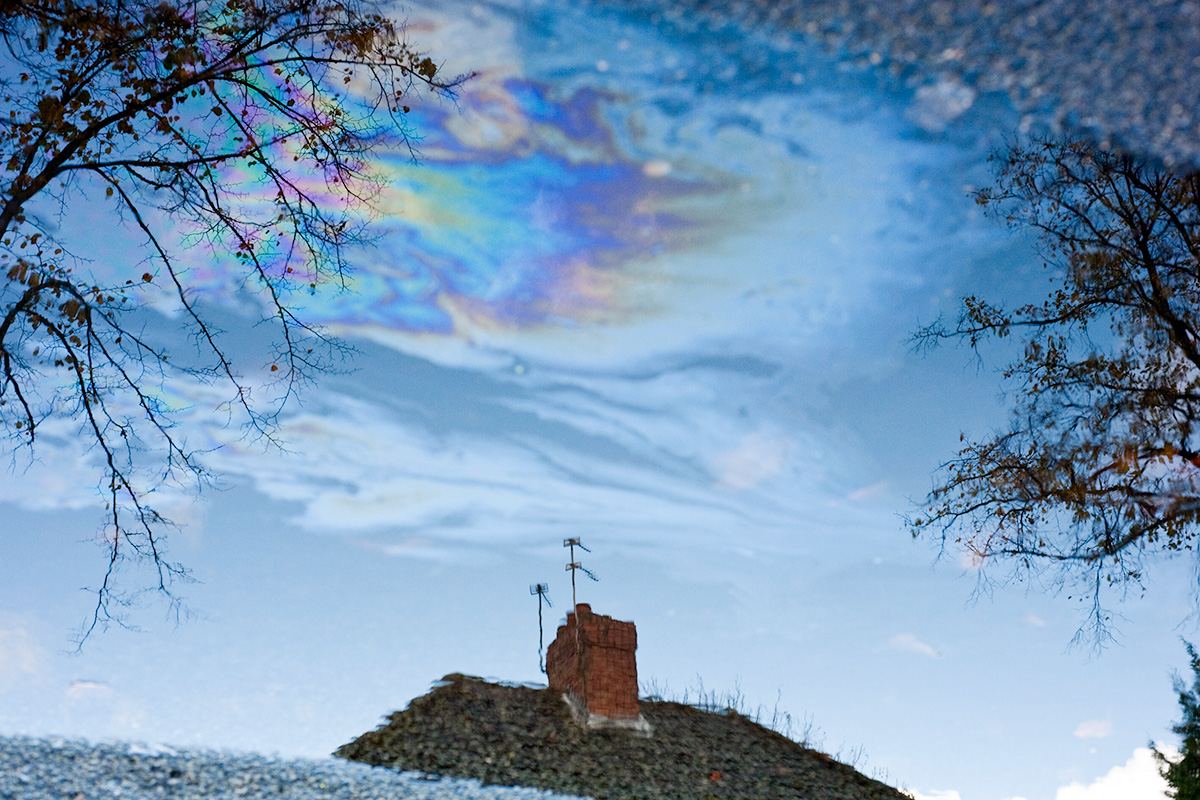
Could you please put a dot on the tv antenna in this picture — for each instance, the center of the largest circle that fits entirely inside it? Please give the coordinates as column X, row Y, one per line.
column 574, row 565
column 541, row 590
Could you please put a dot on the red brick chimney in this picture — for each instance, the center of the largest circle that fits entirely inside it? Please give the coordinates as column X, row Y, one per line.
column 592, row 662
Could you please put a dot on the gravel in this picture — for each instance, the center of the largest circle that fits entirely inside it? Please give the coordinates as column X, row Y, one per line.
column 59, row 769
column 1117, row 72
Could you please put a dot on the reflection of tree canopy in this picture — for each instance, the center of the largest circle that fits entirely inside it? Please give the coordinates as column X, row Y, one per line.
column 1101, row 464
column 241, row 126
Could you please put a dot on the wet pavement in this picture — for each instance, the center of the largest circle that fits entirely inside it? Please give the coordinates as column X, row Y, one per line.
column 1124, row 74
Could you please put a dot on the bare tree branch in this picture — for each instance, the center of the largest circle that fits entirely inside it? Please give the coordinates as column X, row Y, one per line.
column 200, row 122
column 1100, row 465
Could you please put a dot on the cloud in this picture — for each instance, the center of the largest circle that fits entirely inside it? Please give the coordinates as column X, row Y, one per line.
column 1093, row 729
column 867, row 492
column 907, row 643
column 1137, row 779
column 757, row 457
column 86, row 690
column 1033, row 620
column 971, row 561
column 944, row 794
column 20, row 657
column 443, row 486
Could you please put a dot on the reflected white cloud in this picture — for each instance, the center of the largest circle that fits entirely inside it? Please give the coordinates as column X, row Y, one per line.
column 88, row 690
column 908, row 643
column 757, row 457
column 21, row 656
column 936, row 795
column 867, row 492
column 1136, row 779
column 368, row 468
column 1093, row 729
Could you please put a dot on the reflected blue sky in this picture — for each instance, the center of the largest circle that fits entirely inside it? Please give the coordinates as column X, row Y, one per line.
column 652, row 288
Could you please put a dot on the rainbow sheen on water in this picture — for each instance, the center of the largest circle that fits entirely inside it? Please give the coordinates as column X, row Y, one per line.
column 530, row 222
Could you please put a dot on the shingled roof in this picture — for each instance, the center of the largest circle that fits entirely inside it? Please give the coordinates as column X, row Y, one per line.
column 522, row 736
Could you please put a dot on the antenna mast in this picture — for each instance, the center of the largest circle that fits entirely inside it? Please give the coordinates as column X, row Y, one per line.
column 574, row 565
column 541, row 589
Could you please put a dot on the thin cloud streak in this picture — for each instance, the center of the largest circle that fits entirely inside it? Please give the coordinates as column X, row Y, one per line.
column 908, row 643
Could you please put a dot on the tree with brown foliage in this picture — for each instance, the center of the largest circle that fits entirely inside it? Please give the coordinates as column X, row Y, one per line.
column 240, row 129
column 1100, row 467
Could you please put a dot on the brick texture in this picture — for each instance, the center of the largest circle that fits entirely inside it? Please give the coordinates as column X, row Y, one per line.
column 592, row 657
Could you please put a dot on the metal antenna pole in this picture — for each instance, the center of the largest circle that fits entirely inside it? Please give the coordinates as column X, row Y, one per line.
column 541, row 589
column 579, row 655
column 574, row 565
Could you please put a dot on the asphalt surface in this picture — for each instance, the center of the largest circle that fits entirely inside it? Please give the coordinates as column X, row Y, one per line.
column 1120, row 72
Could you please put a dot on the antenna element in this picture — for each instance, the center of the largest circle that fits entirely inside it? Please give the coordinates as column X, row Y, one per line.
column 574, row 565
